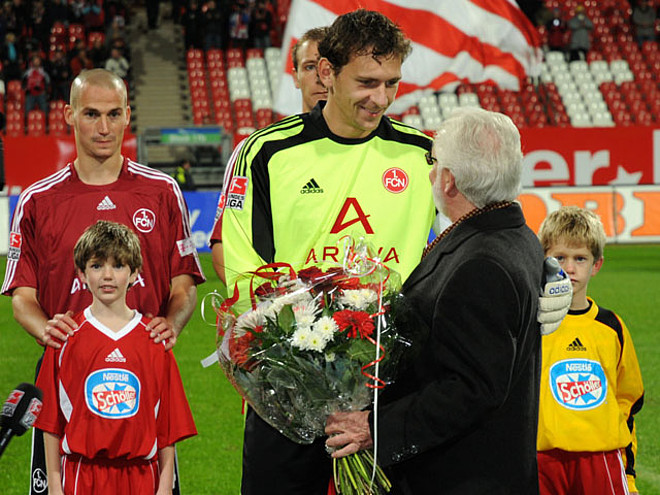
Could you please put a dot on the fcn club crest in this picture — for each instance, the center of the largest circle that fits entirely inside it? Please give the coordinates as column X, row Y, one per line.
column 144, row 220
column 395, row 180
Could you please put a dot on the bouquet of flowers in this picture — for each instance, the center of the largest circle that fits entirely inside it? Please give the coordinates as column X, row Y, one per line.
column 314, row 342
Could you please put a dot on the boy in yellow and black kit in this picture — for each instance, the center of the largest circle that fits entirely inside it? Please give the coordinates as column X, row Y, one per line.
column 591, row 384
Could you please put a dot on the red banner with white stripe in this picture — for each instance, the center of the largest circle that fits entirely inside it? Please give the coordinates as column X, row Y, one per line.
column 453, row 41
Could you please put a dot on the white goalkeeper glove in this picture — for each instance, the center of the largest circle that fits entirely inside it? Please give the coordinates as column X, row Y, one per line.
column 556, row 297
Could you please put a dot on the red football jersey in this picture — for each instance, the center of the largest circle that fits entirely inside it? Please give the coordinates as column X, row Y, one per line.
column 52, row 214
column 113, row 394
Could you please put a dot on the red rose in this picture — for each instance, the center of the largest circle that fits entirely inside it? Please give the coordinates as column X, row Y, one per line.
column 264, row 290
column 311, row 274
column 352, row 283
column 354, row 322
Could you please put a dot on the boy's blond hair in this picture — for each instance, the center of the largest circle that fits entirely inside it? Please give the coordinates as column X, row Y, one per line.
column 576, row 227
column 107, row 239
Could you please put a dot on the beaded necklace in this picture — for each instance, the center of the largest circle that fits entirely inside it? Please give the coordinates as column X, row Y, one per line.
column 470, row 214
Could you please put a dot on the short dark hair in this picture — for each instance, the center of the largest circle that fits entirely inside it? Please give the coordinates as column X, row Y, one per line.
column 315, row 34
column 107, row 239
column 362, row 32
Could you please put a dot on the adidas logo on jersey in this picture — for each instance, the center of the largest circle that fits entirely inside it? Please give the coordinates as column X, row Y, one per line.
column 311, row 187
column 106, row 204
column 576, row 345
column 115, row 357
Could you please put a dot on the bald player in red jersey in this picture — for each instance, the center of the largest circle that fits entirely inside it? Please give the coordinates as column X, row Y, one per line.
column 100, row 184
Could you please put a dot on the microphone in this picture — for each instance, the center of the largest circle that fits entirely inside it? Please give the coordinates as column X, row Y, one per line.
column 19, row 412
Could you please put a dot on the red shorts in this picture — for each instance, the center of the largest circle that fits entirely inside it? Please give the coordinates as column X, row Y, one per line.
column 581, row 473
column 82, row 476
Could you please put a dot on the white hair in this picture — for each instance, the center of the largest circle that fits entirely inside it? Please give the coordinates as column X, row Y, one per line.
column 482, row 150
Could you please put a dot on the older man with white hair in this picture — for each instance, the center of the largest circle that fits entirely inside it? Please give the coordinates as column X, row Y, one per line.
column 462, row 415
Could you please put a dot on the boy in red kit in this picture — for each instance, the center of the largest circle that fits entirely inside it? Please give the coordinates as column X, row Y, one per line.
column 114, row 403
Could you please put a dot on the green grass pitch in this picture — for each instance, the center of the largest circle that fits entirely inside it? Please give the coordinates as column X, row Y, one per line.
column 210, row 462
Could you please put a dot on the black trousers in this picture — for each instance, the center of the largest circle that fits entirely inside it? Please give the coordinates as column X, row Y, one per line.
column 274, row 464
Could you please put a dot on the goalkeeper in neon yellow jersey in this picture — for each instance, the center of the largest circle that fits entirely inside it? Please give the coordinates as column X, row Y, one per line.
column 293, row 189
column 591, row 384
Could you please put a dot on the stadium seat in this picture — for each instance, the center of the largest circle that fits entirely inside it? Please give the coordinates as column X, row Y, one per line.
column 413, row 120
column 235, row 58
column 578, row 66
column 432, row 122
column 602, row 119
column 254, row 53
column 14, row 91
column 468, row 100
column 14, row 129
column 554, row 58
column 580, row 120
column 93, row 36
column 264, row 117
column 36, row 129
column 194, row 54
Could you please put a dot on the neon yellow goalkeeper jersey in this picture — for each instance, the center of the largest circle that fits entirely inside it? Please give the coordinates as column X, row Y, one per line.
column 294, row 190
column 591, row 386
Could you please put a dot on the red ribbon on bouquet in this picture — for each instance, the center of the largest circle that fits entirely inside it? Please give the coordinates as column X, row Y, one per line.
column 268, row 275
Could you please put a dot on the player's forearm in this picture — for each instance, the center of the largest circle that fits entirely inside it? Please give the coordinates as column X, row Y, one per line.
column 182, row 302
column 28, row 312
column 53, row 464
column 166, row 470
column 218, row 258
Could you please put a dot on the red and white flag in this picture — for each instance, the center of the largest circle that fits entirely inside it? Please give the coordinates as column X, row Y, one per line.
column 453, row 41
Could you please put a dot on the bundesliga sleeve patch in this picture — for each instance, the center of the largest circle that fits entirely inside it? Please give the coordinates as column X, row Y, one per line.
column 236, row 193
column 185, row 246
column 15, row 242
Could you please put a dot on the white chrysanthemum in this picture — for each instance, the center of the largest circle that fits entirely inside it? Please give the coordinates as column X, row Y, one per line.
column 289, row 299
column 326, row 327
column 330, row 357
column 301, row 338
column 271, row 310
column 305, row 313
column 316, row 342
column 249, row 321
column 358, row 299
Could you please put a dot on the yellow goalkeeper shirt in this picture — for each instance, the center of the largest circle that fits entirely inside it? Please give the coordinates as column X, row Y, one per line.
column 294, row 190
column 591, row 386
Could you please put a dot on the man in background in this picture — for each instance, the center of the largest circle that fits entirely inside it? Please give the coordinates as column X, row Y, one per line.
column 305, row 57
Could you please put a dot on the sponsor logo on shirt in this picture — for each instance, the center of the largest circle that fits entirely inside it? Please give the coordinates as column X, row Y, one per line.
column 395, row 180
column 115, row 357
column 106, row 204
column 12, row 401
column 113, row 393
column 15, row 243
column 236, row 192
column 578, row 384
column 144, row 220
column 351, row 213
column 311, row 187
column 185, row 246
